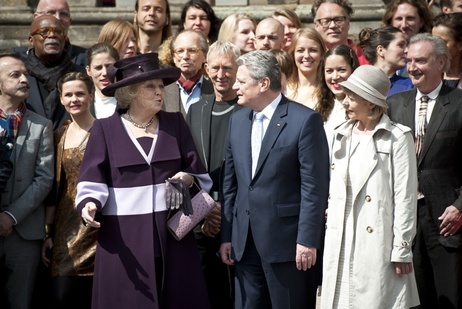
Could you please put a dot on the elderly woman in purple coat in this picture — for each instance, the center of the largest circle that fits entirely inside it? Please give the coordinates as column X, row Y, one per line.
column 122, row 182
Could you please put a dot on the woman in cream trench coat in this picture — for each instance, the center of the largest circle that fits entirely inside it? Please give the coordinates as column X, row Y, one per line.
column 383, row 196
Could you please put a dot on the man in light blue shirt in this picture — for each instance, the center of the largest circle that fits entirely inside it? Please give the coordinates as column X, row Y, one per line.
column 188, row 48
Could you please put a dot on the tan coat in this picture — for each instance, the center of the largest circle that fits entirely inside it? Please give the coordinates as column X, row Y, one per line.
column 384, row 210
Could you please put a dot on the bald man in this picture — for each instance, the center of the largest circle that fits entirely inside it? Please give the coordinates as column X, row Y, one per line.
column 46, row 62
column 60, row 10
column 269, row 34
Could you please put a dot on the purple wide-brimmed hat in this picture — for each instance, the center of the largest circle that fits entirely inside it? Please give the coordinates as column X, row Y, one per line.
column 137, row 69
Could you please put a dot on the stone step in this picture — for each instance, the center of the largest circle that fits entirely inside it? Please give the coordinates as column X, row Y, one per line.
column 87, row 21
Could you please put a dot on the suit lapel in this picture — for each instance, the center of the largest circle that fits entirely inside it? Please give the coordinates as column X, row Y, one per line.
column 273, row 131
column 408, row 111
column 21, row 138
column 206, row 115
column 244, row 131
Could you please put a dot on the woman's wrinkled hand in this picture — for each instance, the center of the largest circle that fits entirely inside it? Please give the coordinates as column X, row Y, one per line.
column 88, row 215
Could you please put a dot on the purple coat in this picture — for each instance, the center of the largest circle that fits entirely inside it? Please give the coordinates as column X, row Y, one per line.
column 128, row 188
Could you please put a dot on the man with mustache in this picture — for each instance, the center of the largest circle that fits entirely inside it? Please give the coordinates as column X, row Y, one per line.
column 22, row 213
column 46, row 62
column 433, row 111
column 60, row 10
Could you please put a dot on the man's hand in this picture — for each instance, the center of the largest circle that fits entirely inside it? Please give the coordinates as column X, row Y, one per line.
column 47, row 245
column 6, row 224
column 212, row 221
column 305, row 257
column 225, row 253
column 451, row 221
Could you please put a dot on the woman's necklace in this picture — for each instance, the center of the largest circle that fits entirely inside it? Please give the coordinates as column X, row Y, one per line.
column 144, row 127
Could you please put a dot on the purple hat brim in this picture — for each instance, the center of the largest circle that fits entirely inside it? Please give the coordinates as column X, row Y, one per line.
column 168, row 75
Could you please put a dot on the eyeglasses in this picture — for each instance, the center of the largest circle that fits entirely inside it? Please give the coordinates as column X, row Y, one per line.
column 46, row 32
column 338, row 21
column 191, row 51
column 58, row 14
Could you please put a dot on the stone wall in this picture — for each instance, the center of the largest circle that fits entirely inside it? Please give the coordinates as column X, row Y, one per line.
column 88, row 17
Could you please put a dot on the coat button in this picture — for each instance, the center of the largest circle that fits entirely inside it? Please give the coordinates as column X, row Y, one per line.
column 332, row 166
column 404, row 244
column 247, row 212
column 250, row 188
column 368, row 198
column 369, row 229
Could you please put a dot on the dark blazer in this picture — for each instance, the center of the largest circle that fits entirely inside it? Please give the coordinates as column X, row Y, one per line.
column 198, row 118
column 172, row 100
column 286, row 200
column 34, row 102
column 440, row 162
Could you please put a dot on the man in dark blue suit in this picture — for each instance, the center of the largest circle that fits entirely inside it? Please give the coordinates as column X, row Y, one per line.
column 273, row 205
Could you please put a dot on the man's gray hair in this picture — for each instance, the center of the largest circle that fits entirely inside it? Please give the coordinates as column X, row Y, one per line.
column 438, row 45
column 261, row 64
column 222, row 48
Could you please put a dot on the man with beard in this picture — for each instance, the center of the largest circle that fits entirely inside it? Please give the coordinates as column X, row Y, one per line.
column 269, row 34
column 46, row 62
column 208, row 120
column 22, row 213
column 152, row 19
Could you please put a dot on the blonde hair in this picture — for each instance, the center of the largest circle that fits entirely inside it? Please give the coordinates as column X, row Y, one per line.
column 116, row 33
column 290, row 15
column 229, row 26
column 310, row 34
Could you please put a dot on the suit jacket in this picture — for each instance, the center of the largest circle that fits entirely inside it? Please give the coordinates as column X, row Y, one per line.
column 284, row 203
column 199, row 119
column 35, row 103
column 32, row 176
column 440, row 164
column 172, row 101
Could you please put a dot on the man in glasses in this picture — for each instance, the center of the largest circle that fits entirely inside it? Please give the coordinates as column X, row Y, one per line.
column 332, row 21
column 46, row 62
column 60, row 10
column 188, row 48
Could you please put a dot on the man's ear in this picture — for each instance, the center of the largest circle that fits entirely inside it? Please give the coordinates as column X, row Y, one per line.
column 265, row 84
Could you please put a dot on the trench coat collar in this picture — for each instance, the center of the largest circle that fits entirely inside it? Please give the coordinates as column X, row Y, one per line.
column 341, row 151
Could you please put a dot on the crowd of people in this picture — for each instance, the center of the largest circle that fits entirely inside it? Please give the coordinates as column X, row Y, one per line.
column 334, row 162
